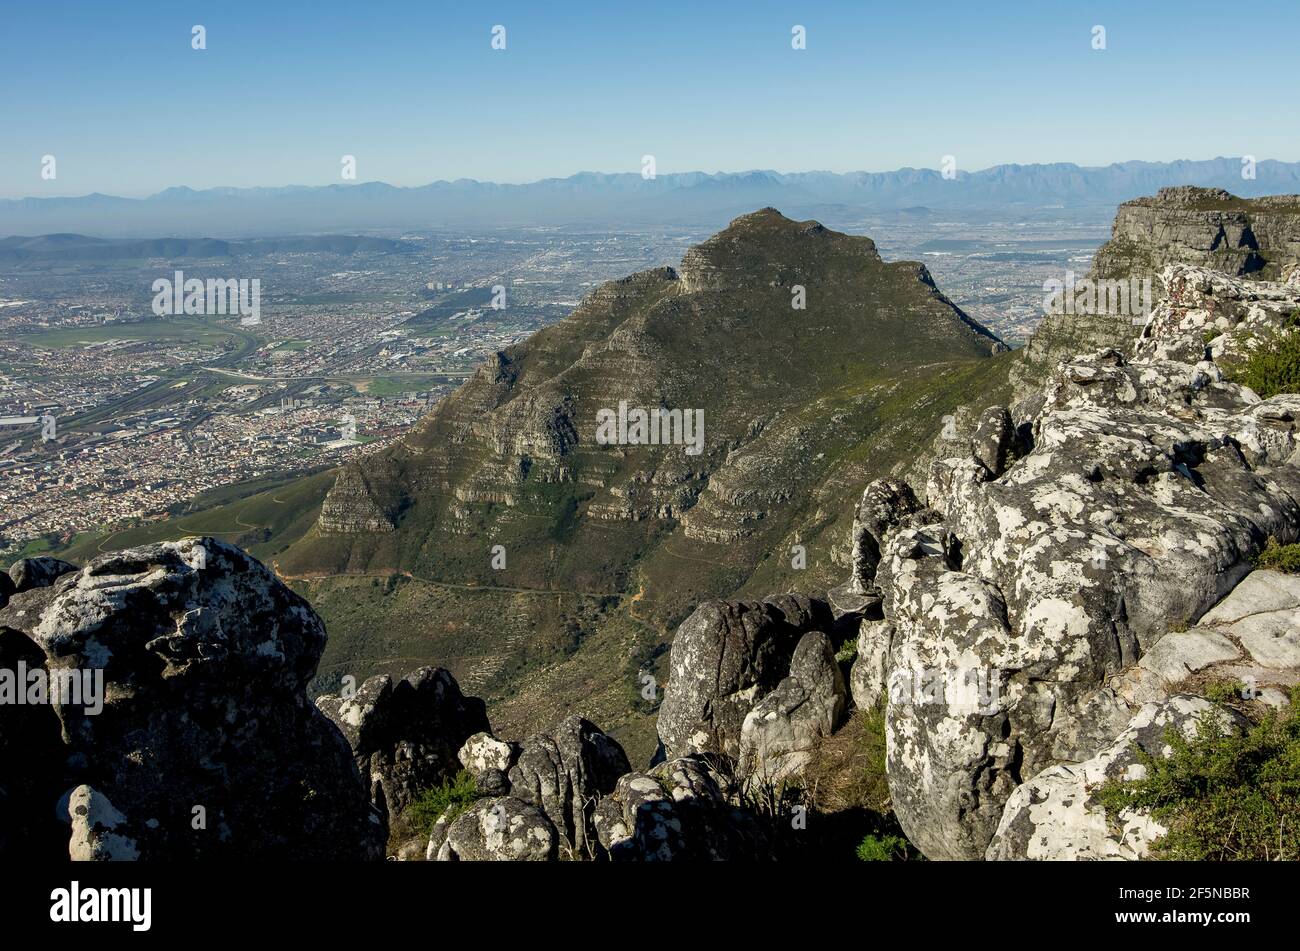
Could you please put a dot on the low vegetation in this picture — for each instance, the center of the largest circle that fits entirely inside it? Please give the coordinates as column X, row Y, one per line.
column 885, row 848
column 849, row 787
column 1279, row 557
column 1273, row 368
column 1222, row 796
column 450, row 799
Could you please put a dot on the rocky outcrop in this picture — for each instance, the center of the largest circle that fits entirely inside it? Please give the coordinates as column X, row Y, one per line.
column 1037, row 611
column 1210, row 315
column 681, row 810
column 781, row 731
column 351, row 506
column 542, row 794
column 885, row 504
column 726, row 657
column 202, row 742
column 405, row 736
column 1204, row 227
column 1251, row 637
column 564, row 773
column 1057, row 816
column 498, row 829
column 870, row 672
column 487, row 759
column 29, row 573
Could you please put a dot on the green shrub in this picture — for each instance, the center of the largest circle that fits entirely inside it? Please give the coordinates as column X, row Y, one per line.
column 848, row 651
column 1222, row 796
column 1279, row 557
column 451, row 798
column 1273, row 368
column 884, row 848
column 877, row 774
column 1224, row 691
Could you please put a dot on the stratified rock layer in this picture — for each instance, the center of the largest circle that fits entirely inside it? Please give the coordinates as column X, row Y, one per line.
column 1204, row 227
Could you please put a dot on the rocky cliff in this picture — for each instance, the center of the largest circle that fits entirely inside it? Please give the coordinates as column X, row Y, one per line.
column 1043, row 607
column 1241, row 237
column 1040, row 614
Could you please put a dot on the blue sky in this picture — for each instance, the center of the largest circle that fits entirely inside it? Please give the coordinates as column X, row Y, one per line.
column 414, row 91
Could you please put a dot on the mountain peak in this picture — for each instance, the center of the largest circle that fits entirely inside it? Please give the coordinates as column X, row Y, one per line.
column 765, row 246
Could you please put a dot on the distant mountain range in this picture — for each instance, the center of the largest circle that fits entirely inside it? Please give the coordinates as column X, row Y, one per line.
column 79, row 247
column 591, row 199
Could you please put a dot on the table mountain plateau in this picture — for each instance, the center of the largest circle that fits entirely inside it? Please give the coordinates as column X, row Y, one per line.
column 1245, row 237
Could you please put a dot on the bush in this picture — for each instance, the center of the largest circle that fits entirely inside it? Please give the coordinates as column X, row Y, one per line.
column 1222, row 796
column 452, row 798
column 1279, row 557
column 884, row 848
column 876, row 774
column 1273, row 368
column 1227, row 692
column 848, row 651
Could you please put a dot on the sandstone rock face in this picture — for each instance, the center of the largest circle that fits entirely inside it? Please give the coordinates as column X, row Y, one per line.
column 1251, row 637
column 779, row 734
column 564, row 773
column 682, row 810
column 1207, row 314
column 351, row 505
column 405, row 736
column 1055, row 815
column 870, row 672
column 1262, row 614
column 725, row 658
column 885, row 504
column 499, row 829
column 1204, row 227
column 488, row 760
column 552, row 782
column 994, row 440
column 483, row 752
column 1027, row 621
column 32, row 573
column 206, row 744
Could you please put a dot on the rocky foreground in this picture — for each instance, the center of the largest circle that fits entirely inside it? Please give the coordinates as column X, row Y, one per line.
column 1042, row 602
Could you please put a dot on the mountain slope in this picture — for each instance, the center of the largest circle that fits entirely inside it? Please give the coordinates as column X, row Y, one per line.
column 610, row 545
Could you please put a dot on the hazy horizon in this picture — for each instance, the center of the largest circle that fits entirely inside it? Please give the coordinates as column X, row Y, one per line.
column 578, row 173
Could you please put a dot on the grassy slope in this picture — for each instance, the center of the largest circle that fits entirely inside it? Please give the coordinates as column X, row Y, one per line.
column 264, row 517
